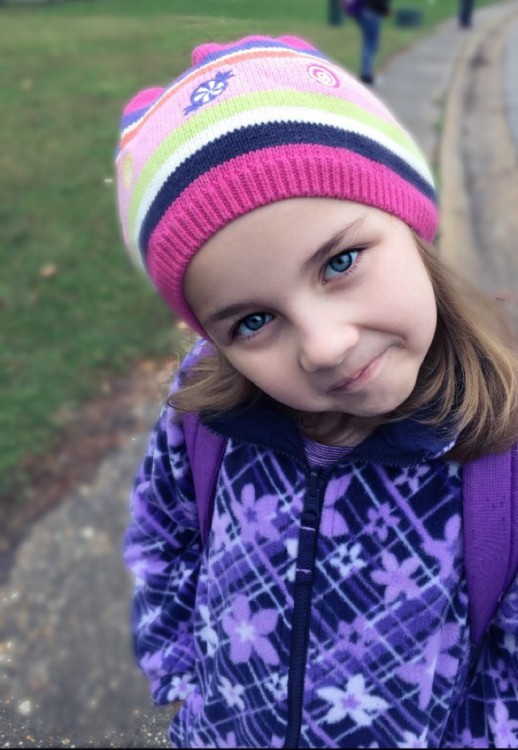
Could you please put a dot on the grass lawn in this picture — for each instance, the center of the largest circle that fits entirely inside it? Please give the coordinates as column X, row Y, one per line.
column 73, row 310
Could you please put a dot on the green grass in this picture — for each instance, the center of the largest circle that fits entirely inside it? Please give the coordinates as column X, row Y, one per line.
column 72, row 308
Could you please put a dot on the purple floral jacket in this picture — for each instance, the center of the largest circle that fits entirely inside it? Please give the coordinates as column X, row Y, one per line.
column 328, row 607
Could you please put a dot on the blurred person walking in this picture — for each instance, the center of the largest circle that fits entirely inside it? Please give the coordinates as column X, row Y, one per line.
column 369, row 15
column 465, row 13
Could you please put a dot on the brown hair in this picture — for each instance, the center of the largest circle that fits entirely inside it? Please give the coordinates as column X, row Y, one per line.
column 469, row 376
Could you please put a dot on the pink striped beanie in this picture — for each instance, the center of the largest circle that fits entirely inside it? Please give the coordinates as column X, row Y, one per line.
column 253, row 122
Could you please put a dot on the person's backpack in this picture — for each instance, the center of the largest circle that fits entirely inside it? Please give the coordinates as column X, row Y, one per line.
column 381, row 7
column 490, row 516
column 205, row 451
column 353, row 8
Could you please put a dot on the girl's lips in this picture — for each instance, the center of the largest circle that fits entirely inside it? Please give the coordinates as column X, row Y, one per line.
column 360, row 376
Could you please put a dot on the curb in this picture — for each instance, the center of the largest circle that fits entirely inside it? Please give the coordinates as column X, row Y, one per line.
column 457, row 239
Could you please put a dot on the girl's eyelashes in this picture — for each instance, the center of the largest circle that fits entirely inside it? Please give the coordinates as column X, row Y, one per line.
column 252, row 324
column 341, row 263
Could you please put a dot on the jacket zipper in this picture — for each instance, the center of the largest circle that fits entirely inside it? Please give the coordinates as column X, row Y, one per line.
column 302, row 604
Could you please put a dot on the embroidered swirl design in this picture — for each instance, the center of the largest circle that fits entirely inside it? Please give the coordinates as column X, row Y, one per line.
column 323, row 75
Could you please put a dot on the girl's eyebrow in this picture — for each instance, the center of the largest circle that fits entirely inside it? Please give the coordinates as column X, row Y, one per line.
column 331, row 246
column 231, row 311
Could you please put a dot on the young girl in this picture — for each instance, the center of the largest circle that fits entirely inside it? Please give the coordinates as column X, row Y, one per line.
column 281, row 210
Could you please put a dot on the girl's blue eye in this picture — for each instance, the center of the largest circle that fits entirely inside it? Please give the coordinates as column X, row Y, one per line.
column 340, row 264
column 252, row 324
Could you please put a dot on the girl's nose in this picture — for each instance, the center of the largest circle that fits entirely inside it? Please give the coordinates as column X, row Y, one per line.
column 322, row 348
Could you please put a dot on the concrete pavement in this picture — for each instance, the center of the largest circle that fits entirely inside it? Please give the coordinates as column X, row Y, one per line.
column 510, row 63
column 478, row 162
column 67, row 677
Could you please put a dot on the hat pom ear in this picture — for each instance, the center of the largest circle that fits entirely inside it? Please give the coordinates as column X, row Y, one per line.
column 143, row 99
column 204, row 50
column 200, row 52
column 296, row 42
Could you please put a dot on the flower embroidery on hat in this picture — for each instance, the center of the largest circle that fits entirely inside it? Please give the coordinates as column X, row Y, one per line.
column 208, row 90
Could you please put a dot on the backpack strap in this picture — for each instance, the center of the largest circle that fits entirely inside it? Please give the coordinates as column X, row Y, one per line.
column 205, row 451
column 490, row 504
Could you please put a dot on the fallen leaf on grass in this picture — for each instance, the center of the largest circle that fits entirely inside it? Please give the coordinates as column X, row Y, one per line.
column 48, row 271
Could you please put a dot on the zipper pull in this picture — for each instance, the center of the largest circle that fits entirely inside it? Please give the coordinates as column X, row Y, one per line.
column 311, row 510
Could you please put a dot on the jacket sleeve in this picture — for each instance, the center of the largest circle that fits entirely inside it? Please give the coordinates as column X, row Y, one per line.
column 162, row 549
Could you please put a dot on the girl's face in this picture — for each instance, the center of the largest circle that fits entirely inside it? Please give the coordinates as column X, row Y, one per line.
column 324, row 304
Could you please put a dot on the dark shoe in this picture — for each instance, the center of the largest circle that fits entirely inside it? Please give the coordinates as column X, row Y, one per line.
column 367, row 79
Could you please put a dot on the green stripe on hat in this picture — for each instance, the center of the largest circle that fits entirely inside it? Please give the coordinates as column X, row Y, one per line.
column 268, row 100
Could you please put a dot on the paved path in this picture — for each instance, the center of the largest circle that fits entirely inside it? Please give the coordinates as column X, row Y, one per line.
column 511, row 79
column 479, row 159
column 66, row 673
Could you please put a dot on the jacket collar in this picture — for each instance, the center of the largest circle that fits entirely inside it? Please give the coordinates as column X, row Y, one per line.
column 407, row 442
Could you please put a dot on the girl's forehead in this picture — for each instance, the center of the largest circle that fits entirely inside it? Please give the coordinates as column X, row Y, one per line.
column 284, row 241
column 314, row 220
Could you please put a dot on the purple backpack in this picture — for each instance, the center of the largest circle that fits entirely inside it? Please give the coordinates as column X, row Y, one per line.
column 490, row 517
column 490, row 533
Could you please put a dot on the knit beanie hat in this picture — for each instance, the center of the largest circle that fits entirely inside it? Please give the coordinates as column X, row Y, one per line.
column 253, row 122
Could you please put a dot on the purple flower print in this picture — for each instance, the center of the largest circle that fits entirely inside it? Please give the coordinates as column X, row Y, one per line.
column 232, row 693
column 255, row 515
column 503, row 727
column 467, row 740
column 247, row 632
column 380, row 521
column 446, row 663
column 347, row 559
column 181, row 687
column 178, row 458
column 207, row 633
column 184, row 628
column 509, row 643
column 502, row 675
column 183, row 573
column 175, row 435
column 148, row 617
column 152, row 663
column 142, row 566
column 196, row 703
column 506, row 616
column 228, row 741
column 412, row 476
column 436, row 660
column 355, row 637
column 353, row 702
column 444, row 549
column 220, row 531
column 278, row 686
column 179, row 465
column 397, row 576
column 411, row 740
column 332, row 523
